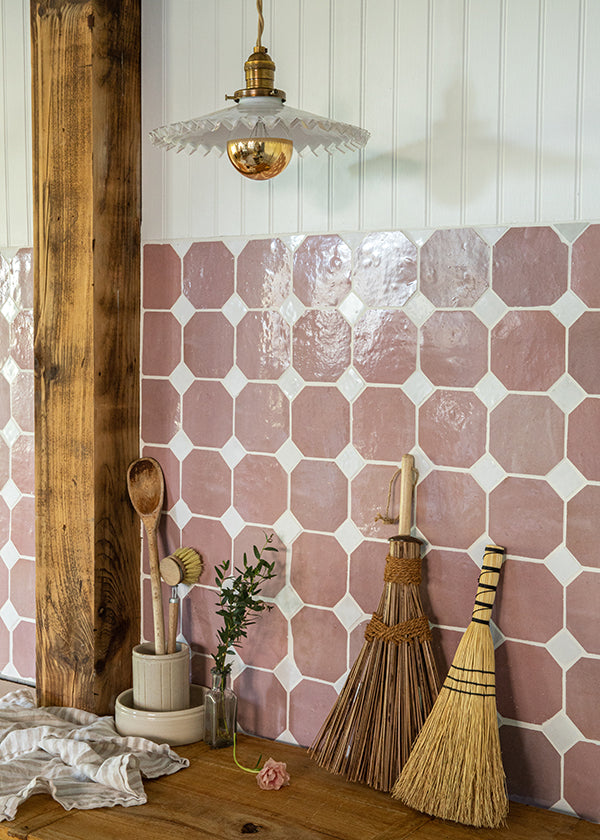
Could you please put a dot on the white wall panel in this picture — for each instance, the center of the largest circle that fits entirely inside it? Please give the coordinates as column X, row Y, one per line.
column 588, row 179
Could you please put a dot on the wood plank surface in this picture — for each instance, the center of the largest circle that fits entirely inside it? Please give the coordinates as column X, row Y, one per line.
column 86, row 172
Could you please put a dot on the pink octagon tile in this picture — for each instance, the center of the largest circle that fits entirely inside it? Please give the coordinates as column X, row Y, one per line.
column 583, row 679
column 320, row 422
column 582, row 528
column 4, row 518
column 4, row 400
column 161, row 351
column 319, row 495
column 262, row 705
column 260, row 489
column 532, row 766
column 367, row 567
column 208, row 345
column 530, row 267
column 5, row 455
column 455, row 266
column 160, row 411
column 583, row 615
column 22, row 458
column 22, row 587
column 454, row 349
column 23, row 637
column 5, row 645
column 448, row 587
column 322, row 270
column 208, row 274
column 264, row 273
column 314, row 659
column 445, row 642
column 383, row 424
column 528, row 350
column 4, row 339
column 22, row 400
column 207, row 414
column 321, row 345
column 385, row 347
column 211, row 541
column 450, row 509
column 542, row 618
column 200, row 623
column 267, row 640
column 22, row 528
column 585, row 272
column 162, row 276
column 251, row 536
column 385, row 273
column 319, row 569
column 583, row 441
column 369, row 497
column 535, row 443
column 21, row 270
column 581, row 780
column 262, row 417
column 584, row 351
column 310, row 703
column 528, row 682
column 263, row 345
column 22, row 339
column 170, row 467
column 526, row 516
column 4, row 592
column 206, row 483
column 452, row 428
column 357, row 641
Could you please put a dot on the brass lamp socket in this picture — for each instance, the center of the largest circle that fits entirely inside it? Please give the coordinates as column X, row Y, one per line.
column 260, row 77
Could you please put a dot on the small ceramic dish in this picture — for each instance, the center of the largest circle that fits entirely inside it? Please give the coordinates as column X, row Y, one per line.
column 174, row 728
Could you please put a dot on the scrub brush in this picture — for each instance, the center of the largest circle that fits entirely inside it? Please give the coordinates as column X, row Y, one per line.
column 183, row 566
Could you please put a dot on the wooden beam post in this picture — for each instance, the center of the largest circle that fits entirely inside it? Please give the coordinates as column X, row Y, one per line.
column 86, row 174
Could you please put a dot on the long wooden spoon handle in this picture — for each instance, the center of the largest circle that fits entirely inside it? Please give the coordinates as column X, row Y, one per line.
column 157, row 612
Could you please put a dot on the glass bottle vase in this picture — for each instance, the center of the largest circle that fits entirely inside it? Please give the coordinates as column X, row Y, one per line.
column 220, row 712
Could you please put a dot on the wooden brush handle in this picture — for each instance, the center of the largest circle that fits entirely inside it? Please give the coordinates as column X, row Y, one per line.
column 407, row 466
column 173, row 622
column 488, row 582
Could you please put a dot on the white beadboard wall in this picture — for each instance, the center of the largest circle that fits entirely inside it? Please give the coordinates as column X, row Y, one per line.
column 482, row 112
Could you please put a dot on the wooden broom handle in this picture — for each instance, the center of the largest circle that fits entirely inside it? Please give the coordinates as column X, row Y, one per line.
column 407, row 467
column 488, row 582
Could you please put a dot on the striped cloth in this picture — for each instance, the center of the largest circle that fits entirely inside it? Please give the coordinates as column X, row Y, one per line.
column 76, row 757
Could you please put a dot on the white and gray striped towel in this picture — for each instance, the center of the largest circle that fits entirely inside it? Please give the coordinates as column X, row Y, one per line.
column 76, row 757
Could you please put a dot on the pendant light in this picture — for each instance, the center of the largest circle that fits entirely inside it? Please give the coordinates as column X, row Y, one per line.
column 260, row 132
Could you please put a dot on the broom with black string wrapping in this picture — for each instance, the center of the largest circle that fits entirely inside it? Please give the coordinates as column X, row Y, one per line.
column 391, row 688
column 455, row 768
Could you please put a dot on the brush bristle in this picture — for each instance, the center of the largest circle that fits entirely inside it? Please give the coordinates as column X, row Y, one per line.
column 192, row 564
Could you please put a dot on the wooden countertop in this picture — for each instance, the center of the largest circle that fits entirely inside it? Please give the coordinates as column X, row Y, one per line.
column 214, row 799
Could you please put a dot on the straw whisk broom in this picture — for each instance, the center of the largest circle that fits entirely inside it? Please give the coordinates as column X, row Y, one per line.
column 392, row 686
column 455, row 768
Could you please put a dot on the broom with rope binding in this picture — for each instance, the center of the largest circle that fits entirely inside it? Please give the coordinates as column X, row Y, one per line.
column 393, row 684
column 455, row 768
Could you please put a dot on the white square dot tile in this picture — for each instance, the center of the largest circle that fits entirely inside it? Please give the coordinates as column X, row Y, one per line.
column 10, row 310
column 351, row 384
column 563, row 565
column 183, row 309
column 180, row 445
column 418, row 308
column 235, row 381
column 477, row 549
column 561, row 732
column 423, row 465
column 347, row 612
column 288, row 601
column 348, row 536
column 568, row 308
column 341, row 682
column 291, row 309
column 180, row 513
column 352, row 308
column 563, row 807
column 498, row 636
column 232, row 522
column 235, row 244
column 487, row 472
column 10, row 370
column 565, row 479
column 286, row 737
column 237, row 665
column 491, row 234
column 570, row 231
column 9, row 615
column 181, row 378
column 9, row 670
column 349, row 461
column 565, row 649
column 490, row 390
column 287, row 528
column 418, row 236
column 10, row 493
column 181, row 246
column 288, row 673
column 293, row 240
column 567, row 393
column 288, row 455
column 291, row 383
column 9, row 554
column 233, row 452
column 10, row 432
column 234, row 309
column 490, row 308
column 418, row 387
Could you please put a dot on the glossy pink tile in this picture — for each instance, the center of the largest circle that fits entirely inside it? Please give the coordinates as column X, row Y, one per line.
column 20, row 286
column 526, row 517
column 208, row 345
column 23, row 646
column 583, row 679
column 22, row 463
column 162, row 277
column 22, row 526
column 319, row 495
column 267, row 640
column 581, row 780
column 585, row 271
column 532, row 766
column 161, row 347
column 4, row 518
column 211, row 541
column 310, row 703
column 449, row 583
column 385, row 272
column 454, row 349
column 262, row 417
column 4, row 646
column 383, row 424
column 541, row 617
column 260, row 487
column 534, row 444
column 262, row 705
column 263, row 345
column 583, row 441
column 322, row 267
column 583, row 615
column 22, row 339
column 319, row 569
column 207, row 413
column 22, row 587
column 251, row 536
column 452, row 428
column 160, row 411
column 369, row 494
column 4, row 400
column 445, row 642
column 314, row 659
column 4, row 339
column 320, row 422
column 582, row 531
column 321, row 345
column 530, row 267
column 367, row 566
column 528, row 350
column 208, row 274
column 200, row 625
column 22, row 402
column 4, row 590
column 264, row 273
column 455, row 267
column 528, row 682
column 584, row 351
column 5, row 455
column 385, row 347
column 206, row 483
column 450, row 509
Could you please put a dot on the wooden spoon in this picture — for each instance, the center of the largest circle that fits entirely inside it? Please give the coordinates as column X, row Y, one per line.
column 146, row 486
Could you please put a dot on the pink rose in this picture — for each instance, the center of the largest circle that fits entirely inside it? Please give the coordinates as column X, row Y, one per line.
column 273, row 775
